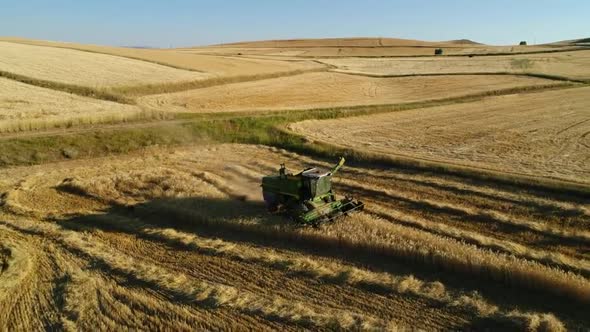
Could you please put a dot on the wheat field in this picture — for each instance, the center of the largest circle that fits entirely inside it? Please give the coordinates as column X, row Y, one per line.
column 323, row 90
column 176, row 247
column 84, row 68
column 25, row 107
column 519, row 134
column 572, row 65
column 206, row 65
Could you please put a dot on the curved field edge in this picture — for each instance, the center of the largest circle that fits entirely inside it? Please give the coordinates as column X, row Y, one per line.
column 527, row 74
column 116, row 51
column 150, row 89
column 83, row 49
column 79, row 90
column 126, row 94
column 330, row 150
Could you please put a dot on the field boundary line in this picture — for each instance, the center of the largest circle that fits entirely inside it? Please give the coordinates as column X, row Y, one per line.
column 248, row 128
column 346, row 111
column 330, row 150
column 83, row 91
column 107, row 53
column 154, row 89
column 503, row 73
column 574, row 49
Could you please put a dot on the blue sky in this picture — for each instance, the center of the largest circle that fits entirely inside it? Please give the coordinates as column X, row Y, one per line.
column 184, row 23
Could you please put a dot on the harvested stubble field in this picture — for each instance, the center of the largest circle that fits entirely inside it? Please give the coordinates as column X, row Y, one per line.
column 574, row 65
column 211, row 66
column 185, row 243
column 84, row 68
column 25, row 107
column 324, row 90
column 541, row 134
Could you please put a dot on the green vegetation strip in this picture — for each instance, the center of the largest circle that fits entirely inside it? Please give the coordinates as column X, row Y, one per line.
column 268, row 128
column 69, row 88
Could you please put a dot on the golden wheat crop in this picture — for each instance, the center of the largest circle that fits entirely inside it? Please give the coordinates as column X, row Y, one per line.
column 566, row 64
column 25, row 107
column 84, row 68
column 214, row 65
column 313, row 90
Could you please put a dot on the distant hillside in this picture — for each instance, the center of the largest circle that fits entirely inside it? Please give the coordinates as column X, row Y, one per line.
column 571, row 42
column 463, row 42
column 343, row 42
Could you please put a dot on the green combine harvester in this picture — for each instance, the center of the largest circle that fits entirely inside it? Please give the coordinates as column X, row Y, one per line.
column 307, row 197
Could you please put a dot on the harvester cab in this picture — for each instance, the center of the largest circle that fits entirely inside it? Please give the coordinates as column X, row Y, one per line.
column 307, row 196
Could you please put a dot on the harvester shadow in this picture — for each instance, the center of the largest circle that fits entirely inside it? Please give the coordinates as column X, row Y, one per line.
column 249, row 223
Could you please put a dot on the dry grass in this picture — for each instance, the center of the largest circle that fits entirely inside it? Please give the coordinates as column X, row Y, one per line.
column 324, row 90
column 567, row 64
column 84, row 68
column 489, row 135
column 25, row 107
